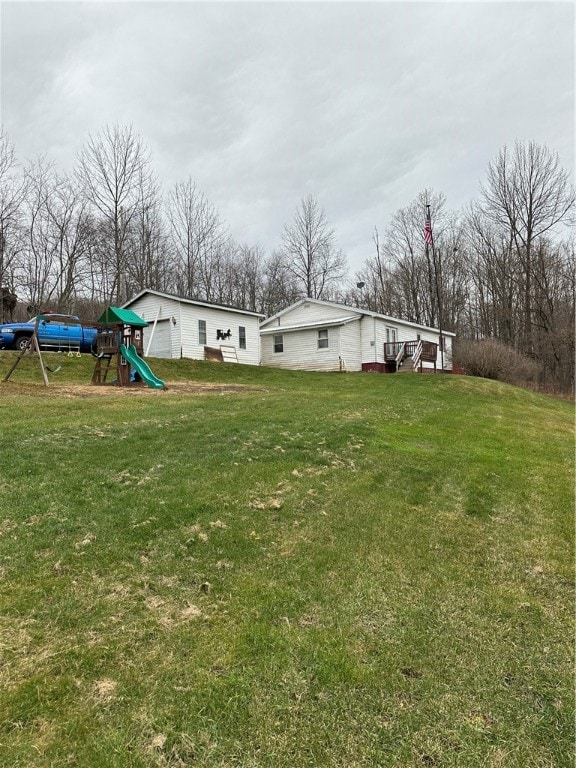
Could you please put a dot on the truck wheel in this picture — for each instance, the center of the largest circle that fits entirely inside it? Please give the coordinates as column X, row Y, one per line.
column 22, row 342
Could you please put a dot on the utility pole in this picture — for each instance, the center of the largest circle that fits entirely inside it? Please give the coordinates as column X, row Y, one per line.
column 429, row 241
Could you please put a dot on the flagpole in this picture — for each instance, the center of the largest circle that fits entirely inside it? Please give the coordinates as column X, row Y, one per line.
column 429, row 240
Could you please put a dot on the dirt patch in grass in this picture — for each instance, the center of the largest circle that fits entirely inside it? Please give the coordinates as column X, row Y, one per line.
column 93, row 391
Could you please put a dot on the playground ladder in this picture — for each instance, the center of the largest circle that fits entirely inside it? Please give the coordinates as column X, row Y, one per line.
column 99, row 375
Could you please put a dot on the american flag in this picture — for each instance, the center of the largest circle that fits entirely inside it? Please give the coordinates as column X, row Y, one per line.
column 428, row 229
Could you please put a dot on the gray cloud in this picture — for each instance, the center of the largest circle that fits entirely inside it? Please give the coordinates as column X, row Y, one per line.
column 361, row 104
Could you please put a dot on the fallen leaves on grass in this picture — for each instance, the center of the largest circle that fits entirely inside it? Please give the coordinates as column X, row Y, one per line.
column 266, row 504
column 195, row 533
column 190, row 612
column 104, row 691
column 168, row 614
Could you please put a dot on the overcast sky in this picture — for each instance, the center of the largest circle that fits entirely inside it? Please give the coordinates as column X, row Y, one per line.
column 362, row 105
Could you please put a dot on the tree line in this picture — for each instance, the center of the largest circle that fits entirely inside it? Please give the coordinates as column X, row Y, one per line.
column 501, row 268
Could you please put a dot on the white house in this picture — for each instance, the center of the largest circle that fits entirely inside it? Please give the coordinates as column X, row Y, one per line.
column 179, row 327
column 320, row 335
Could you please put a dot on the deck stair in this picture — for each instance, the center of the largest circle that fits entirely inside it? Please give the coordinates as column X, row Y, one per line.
column 408, row 356
column 407, row 365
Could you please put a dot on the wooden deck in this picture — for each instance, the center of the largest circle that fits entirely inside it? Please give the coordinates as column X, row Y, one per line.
column 417, row 351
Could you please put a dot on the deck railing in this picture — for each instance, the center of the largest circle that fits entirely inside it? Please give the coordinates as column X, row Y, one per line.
column 396, row 351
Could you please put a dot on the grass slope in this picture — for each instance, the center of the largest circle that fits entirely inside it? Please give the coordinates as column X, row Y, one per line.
column 317, row 570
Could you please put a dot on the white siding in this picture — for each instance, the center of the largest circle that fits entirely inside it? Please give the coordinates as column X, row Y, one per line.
column 159, row 340
column 219, row 319
column 361, row 340
column 150, row 308
column 350, row 348
column 301, row 351
column 310, row 312
column 369, row 341
column 183, row 334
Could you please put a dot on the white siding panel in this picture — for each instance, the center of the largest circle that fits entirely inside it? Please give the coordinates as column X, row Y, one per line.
column 219, row 319
column 301, row 351
column 182, row 341
column 159, row 338
column 369, row 341
column 147, row 307
column 312, row 313
column 356, row 342
column 350, row 346
column 150, row 308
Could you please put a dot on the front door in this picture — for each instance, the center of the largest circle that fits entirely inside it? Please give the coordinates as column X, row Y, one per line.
column 391, row 348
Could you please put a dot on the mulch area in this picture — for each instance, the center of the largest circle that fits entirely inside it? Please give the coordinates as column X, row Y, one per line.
column 107, row 390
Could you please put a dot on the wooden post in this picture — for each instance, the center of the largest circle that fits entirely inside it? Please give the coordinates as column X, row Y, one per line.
column 33, row 346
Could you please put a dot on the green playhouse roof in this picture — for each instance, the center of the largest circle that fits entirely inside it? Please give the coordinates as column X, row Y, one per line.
column 126, row 316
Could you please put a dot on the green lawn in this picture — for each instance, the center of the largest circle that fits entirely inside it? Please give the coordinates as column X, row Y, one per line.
column 335, row 570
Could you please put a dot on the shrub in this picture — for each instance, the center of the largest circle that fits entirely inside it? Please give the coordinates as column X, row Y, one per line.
column 492, row 359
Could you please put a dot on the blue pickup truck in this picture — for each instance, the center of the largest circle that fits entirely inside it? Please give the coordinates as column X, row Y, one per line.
column 56, row 332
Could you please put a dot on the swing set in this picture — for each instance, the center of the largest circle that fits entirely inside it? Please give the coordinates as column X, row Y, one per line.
column 33, row 346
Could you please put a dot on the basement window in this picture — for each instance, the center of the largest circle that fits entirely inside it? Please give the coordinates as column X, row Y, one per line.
column 201, row 331
column 278, row 340
column 323, row 338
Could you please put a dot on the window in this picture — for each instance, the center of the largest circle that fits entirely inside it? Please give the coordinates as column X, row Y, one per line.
column 323, row 338
column 201, row 331
column 278, row 340
column 242, row 337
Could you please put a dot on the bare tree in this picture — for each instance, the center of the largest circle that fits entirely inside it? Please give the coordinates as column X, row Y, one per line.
column 114, row 169
column 68, row 214
column 416, row 281
column 12, row 194
column 526, row 196
column 197, row 234
column 375, row 285
column 309, row 251
column 36, row 266
column 554, row 312
column 148, row 264
column 51, row 264
column 279, row 287
column 494, row 275
column 243, row 281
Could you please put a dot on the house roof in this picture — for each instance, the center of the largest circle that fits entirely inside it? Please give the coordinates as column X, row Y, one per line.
column 120, row 315
column 357, row 313
column 194, row 302
column 331, row 323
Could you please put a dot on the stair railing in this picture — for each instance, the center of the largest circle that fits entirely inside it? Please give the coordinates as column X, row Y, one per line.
column 417, row 355
column 400, row 355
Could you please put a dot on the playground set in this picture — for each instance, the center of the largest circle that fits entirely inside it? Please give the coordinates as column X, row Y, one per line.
column 117, row 347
